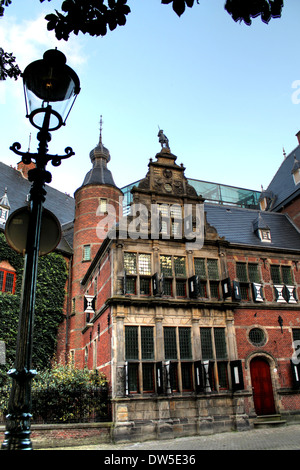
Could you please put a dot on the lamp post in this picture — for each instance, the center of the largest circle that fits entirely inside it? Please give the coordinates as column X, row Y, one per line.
column 50, row 88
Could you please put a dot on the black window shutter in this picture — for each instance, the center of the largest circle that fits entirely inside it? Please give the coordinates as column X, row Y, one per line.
column 236, row 290
column 257, row 292
column 84, row 304
column 290, row 294
column 162, row 285
column 199, row 376
column 159, row 378
column 226, row 288
column 155, row 284
column 193, row 287
column 295, row 367
column 237, row 379
column 124, row 284
column 126, row 384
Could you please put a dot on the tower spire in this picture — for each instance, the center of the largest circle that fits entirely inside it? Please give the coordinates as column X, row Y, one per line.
column 101, row 122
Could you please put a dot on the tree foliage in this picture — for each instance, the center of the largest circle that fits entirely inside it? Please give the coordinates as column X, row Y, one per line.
column 8, row 68
column 96, row 17
column 63, row 393
column 50, row 295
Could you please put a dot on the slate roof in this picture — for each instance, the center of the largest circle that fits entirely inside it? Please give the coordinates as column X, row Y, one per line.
column 236, row 225
column 18, row 187
column 282, row 185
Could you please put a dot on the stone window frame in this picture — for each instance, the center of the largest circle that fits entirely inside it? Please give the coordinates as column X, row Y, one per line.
column 139, row 359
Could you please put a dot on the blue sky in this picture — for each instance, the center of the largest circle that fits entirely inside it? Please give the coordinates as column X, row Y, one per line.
column 221, row 91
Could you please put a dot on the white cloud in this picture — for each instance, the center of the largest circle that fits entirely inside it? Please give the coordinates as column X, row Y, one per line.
column 28, row 40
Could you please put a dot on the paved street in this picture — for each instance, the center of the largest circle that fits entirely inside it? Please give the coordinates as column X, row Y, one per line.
column 282, row 438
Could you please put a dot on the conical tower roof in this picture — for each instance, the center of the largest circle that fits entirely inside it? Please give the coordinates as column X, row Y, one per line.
column 100, row 156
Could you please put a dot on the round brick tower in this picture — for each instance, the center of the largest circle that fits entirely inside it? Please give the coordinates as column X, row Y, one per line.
column 98, row 199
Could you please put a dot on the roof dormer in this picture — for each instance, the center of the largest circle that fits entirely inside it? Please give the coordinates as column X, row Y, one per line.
column 266, row 200
column 296, row 171
column 261, row 229
column 4, row 208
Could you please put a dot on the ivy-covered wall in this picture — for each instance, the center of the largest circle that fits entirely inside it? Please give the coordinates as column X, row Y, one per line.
column 50, row 295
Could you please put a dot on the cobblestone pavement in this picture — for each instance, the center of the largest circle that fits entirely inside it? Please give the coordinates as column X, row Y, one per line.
column 281, row 438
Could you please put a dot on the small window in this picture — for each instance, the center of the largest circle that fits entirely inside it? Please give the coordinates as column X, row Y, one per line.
column 179, row 266
column 170, row 342
column 286, row 275
column 7, row 281
column 185, row 343
column 166, row 265
column 264, row 235
column 102, row 205
column 257, row 337
column 145, row 264
column 212, row 269
column 281, row 274
column 130, row 263
column 131, row 342
column 87, row 253
column 200, row 268
column 147, row 342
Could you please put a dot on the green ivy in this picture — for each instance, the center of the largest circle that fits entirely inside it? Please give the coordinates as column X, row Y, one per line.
column 50, row 295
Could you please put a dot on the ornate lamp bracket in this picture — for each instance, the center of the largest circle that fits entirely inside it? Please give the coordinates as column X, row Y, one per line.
column 27, row 156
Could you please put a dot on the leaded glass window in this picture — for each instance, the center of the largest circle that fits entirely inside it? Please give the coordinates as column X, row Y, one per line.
column 214, row 290
column 147, row 342
column 186, row 375
column 220, row 343
column 86, row 253
column 131, row 342
column 133, row 377
column 206, row 343
column 185, row 345
column 144, row 264
column 200, row 268
column 253, row 272
column 275, row 274
column 214, row 349
column 7, row 281
column 148, row 377
column 241, row 272
column 130, row 285
column 166, row 265
column 257, row 337
column 212, row 269
column 223, row 375
column 130, row 263
column 286, row 275
column 167, row 287
column 179, row 266
column 144, row 286
column 170, row 343
column 180, row 288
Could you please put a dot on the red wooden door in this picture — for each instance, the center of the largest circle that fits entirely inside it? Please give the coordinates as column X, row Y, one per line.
column 262, row 387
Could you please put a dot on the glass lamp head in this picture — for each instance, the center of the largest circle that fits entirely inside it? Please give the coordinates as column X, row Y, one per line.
column 50, row 82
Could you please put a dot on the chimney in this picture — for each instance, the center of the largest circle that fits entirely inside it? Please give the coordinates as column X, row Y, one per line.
column 298, row 137
column 23, row 169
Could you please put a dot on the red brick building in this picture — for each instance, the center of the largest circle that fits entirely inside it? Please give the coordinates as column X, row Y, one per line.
column 189, row 304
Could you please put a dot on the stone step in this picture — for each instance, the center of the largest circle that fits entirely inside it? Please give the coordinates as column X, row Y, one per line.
column 269, row 421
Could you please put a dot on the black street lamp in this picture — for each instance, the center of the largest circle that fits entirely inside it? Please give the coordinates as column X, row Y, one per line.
column 51, row 88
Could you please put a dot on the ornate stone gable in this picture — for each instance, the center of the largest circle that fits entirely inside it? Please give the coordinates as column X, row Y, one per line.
column 165, row 181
